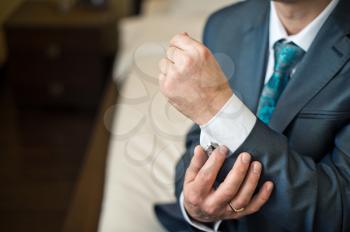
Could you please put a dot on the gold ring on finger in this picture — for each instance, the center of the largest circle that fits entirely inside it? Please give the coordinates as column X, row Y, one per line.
column 236, row 210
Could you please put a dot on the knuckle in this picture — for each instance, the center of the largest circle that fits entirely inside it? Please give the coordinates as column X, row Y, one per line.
column 264, row 198
column 171, row 53
column 172, row 73
column 241, row 203
column 179, row 35
column 219, row 155
column 241, row 170
column 193, row 199
column 227, row 193
column 204, row 52
column 170, row 50
column 205, row 175
column 188, row 172
column 168, row 53
column 209, row 209
column 175, row 38
column 161, row 80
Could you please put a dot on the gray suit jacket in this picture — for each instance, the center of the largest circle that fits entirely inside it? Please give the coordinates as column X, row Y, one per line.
column 305, row 150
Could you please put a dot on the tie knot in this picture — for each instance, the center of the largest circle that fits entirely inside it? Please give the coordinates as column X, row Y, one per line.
column 287, row 55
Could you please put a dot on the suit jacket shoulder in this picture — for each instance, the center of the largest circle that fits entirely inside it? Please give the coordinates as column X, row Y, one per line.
column 235, row 19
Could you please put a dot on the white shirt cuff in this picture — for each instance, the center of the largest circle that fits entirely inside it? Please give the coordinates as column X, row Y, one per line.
column 197, row 225
column 231, row 126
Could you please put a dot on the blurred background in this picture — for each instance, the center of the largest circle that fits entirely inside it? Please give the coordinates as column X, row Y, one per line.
column 55, row 60
column 81, row 114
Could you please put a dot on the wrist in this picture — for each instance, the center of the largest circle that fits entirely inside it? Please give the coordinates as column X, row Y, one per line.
column 213, row 105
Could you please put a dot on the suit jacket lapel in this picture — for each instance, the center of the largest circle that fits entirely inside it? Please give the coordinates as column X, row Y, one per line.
column 327, row 55
column 252, row 61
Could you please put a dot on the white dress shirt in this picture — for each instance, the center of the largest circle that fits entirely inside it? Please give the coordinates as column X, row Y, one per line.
column 233, row 123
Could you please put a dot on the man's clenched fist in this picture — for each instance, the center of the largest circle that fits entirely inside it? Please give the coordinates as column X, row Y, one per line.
column 192, row 80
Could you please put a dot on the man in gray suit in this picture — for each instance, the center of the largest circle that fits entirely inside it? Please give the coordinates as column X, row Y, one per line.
column 281, row 118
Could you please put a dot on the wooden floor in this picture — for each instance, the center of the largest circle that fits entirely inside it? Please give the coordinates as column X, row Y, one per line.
column 41, row 153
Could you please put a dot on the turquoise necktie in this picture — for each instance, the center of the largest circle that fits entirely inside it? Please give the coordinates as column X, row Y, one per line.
column 287, row 55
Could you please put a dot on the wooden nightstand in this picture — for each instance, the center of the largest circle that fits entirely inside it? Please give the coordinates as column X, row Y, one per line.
column 60, row 59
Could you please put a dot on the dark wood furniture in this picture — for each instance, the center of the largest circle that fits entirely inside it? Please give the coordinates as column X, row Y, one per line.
column 137, row 7
column 56, row 61
column 59, row 59
column 41, row 155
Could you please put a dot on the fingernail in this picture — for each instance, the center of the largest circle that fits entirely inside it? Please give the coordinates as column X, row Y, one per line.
column 246, row 158
column 196, row 149
column 269, row 186
column 256, row 168
column 223, row 149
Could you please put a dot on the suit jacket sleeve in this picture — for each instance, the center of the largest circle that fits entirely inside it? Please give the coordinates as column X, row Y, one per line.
column 308, row 195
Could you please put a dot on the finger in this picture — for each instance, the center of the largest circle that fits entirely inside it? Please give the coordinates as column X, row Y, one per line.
column 174, row 54
column 255, row 205
column 197, row 162
column 230, row 186
column 261, row 198
column 208, row 173
column 258, row 201
column 161, row 77
column 248, row 187
column 164, row 65
column 184, row 42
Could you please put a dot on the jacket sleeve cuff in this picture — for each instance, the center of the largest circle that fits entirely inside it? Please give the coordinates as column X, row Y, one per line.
column 197, row 225
column 231, row 126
